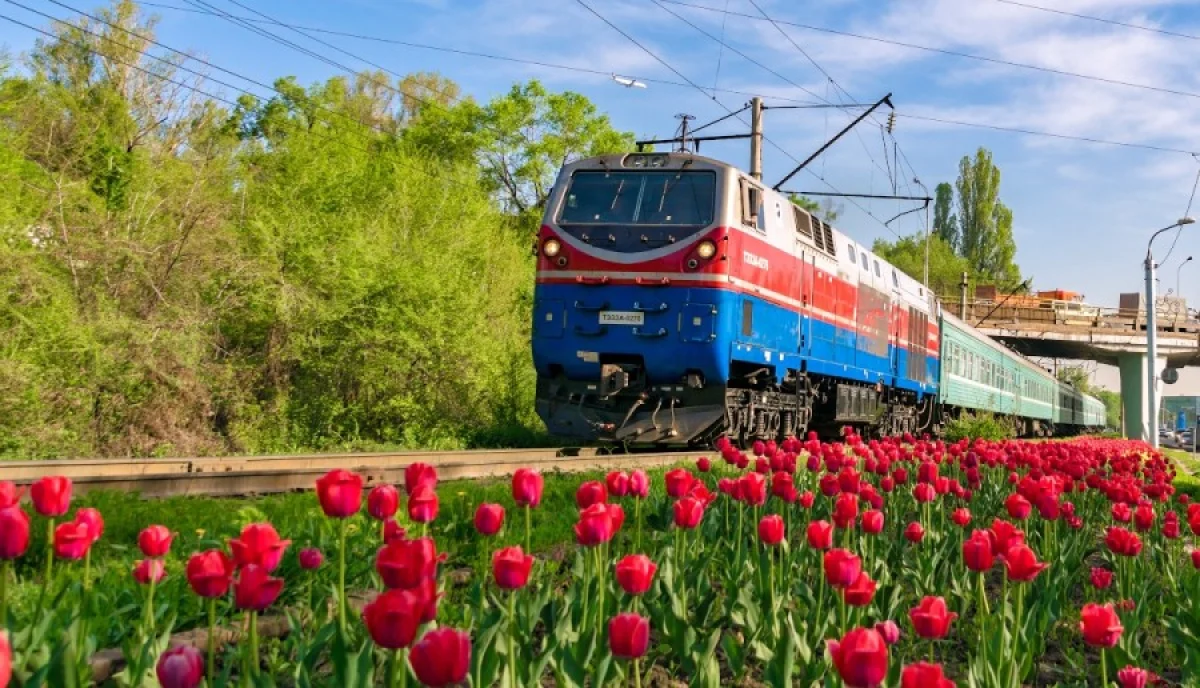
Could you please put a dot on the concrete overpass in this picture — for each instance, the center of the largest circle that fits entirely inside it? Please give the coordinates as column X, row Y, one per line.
column 1112, row 336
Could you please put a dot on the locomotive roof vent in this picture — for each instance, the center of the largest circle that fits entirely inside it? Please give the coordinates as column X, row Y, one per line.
column 647, row 160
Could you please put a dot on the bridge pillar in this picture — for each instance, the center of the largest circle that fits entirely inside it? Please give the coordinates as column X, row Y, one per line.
column 1136, row 420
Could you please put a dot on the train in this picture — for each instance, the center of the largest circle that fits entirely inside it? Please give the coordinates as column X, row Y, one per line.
column 678, row 299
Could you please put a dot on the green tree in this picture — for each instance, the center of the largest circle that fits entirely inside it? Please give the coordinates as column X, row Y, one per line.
column 945, row 222
column 908, row 254
column 985, row 224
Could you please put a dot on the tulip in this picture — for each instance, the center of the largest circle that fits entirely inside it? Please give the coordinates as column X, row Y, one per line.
column 14, row 533
column 753, row 488
column 1101, row 578
column 628, row 636
column 1121, row 512
column 806, row 500
column 589, row 493
column 489, row 518
column 260, row 545
column 383, row 501
column 845, row 510
column 861, row 592
column 405, row 564
column 770, row 530
column 1100, row 625
column 704, row 464
column 155, row 541
column 94, row 521
column 635, row 573
column 423, row 505
column 1003, row 536
column 924, row 493
column 1132, row 677
column 616, row 514
column 617, row 483
column 688, row 512
column 417, row 475
column 255, row 589
column 679, row 481
column 71, row 541
column 340, row 493
column 441, row 658
column 310, row 559
column 889, row 630
column 393, row 532
column 931, row 618
column 393, row 617
column 841, row 568
column 861, row 658
column 961, row 517
column 977, row 551
column 5, row 658
column 1195, row 558
column 872, row 522
column 924, row 675
column 914, row 532
column 10, row 495
column 511, row 567
column 595, row 526
column 51, row 496
column 1143, row 517
column 527, row 488
column 1018, row 507
column 210, row 573
column 179, row 667
column 820, row 535
column 639, row 484
column 149, row 570
column 1123, row 542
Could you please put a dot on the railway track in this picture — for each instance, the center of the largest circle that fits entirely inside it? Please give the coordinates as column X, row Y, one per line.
column 232, row 476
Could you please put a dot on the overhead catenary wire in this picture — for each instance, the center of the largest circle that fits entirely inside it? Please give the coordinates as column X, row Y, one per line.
column 1186, row 212
column 1101, row 20
column 666, row 82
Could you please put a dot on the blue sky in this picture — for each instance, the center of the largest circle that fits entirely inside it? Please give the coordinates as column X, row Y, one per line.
column 1083, row 212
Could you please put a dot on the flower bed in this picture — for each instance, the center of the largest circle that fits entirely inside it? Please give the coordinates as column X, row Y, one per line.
column 896, row 562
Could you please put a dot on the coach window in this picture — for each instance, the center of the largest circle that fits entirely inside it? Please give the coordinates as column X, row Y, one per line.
column 895, row 279
column 877, row 273
column 864, row 263
column 850, row 252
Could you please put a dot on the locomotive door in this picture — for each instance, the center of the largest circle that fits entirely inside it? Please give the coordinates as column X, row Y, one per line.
column 806, row 285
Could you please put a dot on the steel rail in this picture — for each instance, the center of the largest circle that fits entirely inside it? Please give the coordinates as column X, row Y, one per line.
column 233, row 476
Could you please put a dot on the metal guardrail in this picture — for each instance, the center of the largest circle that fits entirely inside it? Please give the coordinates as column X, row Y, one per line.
column 250, row 475
column 1074, row 314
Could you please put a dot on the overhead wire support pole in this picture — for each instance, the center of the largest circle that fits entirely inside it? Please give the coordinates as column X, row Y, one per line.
column 882, row 101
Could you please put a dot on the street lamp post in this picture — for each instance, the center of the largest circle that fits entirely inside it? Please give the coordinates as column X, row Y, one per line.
column 1152, row 338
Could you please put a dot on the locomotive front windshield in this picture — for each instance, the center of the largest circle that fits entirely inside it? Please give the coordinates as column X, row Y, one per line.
column 637, row 211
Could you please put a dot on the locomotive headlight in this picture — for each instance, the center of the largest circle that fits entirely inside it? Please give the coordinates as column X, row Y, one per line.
column 551, row 248
column 706, row 250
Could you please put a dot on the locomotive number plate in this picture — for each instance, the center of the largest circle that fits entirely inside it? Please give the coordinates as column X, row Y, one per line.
column 622, row 318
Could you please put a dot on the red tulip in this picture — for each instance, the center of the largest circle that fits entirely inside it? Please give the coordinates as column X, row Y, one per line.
column 1123, row 542
column 639, row 484
column 255, row 588
column 914, row 532
column 1101, row 578
column 393, row 532
column 688, row 513
column 845, row 510
column 753, row 487
column 924, row 493
column 961, row 517
column 393, row 617
column 6, row 659
column 340, row 493
column 93, row 519
column 924, row 675
column 589, row 493
column 820, row 535
column 806, row 500
column 71, row 540
column 889, row 630
column 977, row 551
column 872, row 522
column 1021, row 564
column 406, row 563
column 861, row 592
column 1018, row 507
column 423, row 504
column 1100, row 625
column 841, row 568
column 1121, row 512
column 311, row 559
column 617, row 483
column 14, row 532
column 179, row 667
column 1143, row 517
column 1196, row 558
column 417, row 475
column 489, row 518
column 527, row 487
column 628, row 636
column 258, row 544
column 155, row 541
column 441, row 657
column 1004, row 535
column 511, row 567
column 703, row 464
column 1132, row 677
column 210, row 573
column 861, row 658
column 149, row 569
column 770, row 530
column 10, row 495
column 679, row 481
column 931, row 618
column 635, row 573
column 595, row 525
column 51, row 495
column 383, row 501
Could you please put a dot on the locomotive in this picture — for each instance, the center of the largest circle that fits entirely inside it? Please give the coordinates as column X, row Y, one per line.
column 677, row 298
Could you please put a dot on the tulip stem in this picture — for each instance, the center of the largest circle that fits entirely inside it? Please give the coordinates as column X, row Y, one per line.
column 393, row 660
column 212, row 640
column 528, row 528
column 637, row 515
column 342, row 575
column 512, row 639
column 1103, row 670
column 253, row 658
column 637, row 673
column 4, row 569
column 49, row 550
column 1016, row 657
column 149, row 621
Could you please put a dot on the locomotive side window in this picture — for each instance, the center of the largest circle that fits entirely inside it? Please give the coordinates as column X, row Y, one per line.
column 850, row 252
column 751, row 204
column 803, row 221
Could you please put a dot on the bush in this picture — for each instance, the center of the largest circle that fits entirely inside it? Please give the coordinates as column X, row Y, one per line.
column 984, row 426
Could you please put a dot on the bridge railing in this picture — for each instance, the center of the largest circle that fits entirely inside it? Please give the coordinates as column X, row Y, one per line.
column 983, row 312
